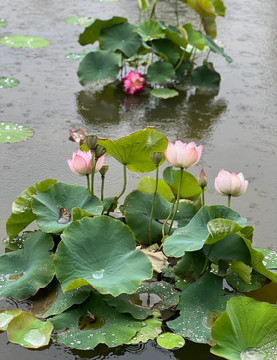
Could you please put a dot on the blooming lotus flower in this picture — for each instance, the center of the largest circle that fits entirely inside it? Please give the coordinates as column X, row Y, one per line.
column 80, row 164
column 183, row 155
column 133, row 82
column 230, row 184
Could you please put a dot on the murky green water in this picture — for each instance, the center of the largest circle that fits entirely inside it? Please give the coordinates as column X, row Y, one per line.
column 237, row 126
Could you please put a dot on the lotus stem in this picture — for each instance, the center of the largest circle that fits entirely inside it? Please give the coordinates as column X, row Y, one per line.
column 102, row 187
column 207, row 260
column 177, row 12
column 169, row 215
column 88, row 183
column 203, row 196
column 124, row 182
column 229, row 201
column 177, row 201
column 153, row 204
column 93, row 163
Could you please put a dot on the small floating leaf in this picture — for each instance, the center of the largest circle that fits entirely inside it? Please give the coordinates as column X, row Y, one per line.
column 150, row 329
column 12, row 132
column 79, row 20
column 164, row 93
column 3, row 23
column 7, row 82
column 6, row 316
column 18, row 41
column 28, row 331
column 80, row 56
column 170, row 340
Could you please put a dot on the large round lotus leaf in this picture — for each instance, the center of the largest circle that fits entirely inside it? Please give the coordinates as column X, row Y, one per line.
column 150, row 29
column 147, row 186
column 12, row 133
column 3, row 23
column 134, row 150
column 79, row 20
column 101, row 251
column 246, row 330
column 237, row 283
column 23, row 272
column 138, row 207
column 190, row 266
column 164, row 93
column 160, row 72
column 167, row 49
column 22, row 214
column 94, row 322
column 189, row 187
column 8, row 82
column 156, row 295
column 121, row 37
column 150, row 329
column 204, row 76
column 55, row 208
column 6, row 316
column 99, row 66
column 92, row 32
column 28, row 331
column 65, row 300
column 18, row 41
column 193, row 236
column 200, row 305
column 170, row 341
column 203, row 7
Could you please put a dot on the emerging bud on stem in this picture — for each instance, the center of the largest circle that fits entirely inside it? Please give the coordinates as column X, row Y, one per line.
column 104, row 169
column 99, row 151
column 91, row 141
column 202, row 179
column 156, row 157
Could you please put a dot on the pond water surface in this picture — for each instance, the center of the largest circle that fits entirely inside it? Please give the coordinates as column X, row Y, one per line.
column 237, row 126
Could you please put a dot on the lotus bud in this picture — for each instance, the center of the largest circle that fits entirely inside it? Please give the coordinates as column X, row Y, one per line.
column 104, row 169
column 183, row 155
column 156, row 157
column 99, row 151
column 202, row 179
column 91, row 141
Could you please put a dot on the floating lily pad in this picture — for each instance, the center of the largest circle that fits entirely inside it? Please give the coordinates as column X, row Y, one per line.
column 170, row 340
column 8, row 82
column 79, row 20
column 200, row 305
column 134, row 150
column 18, row 41
column 150, row 329
column 106, row 325
column 92, row 251
column 3, row 23
column 6, row 316
column 22, row 214
column 28, row 331
column 246, row 330
column 80, row 56
column 57, row 207
column 12, row 132
column 164, row 93
column 160, row 72
column 24, row 271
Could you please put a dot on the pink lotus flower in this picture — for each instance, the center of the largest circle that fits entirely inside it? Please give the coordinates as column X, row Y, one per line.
column 183, row 155
column 202, row 179
column 80, row 164
column 230, row 184
column 133, row 82
column 77, row 135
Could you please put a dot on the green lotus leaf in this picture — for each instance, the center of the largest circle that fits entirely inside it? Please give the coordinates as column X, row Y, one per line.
column 101, row 251
column 167, row 49
column 19, row 41
column 147, row 186
column 8, row 82
column 219, row 7
column 215, row 48
column 164, row 93
column 99, row 66
column 220, row 228
column 138, row 207
column 246, row 330
column 195, row 38
column 169, row 340
column 6, row 316
column 190, row 266
column 150, row 29
column 80, row 20
column 175, row 35
column 12, row 133
column 93, row 31
column 237, row 283
column 24, row 271
column 200, row 304
column 65, row 300
column 205, row 76
column 193, row 236
column 202, row 7
column 55, row 208
column 28, row 331
column 150, row 329
column 209, row 25
column 80, row 56
column 189, row 187
column 94, row 322
column 153, row 295
column 160, row 72
column 3, row 23
column 134, row 150
column 270, row 258
column 22, row 214
column 121, row 37
column 143, row 5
